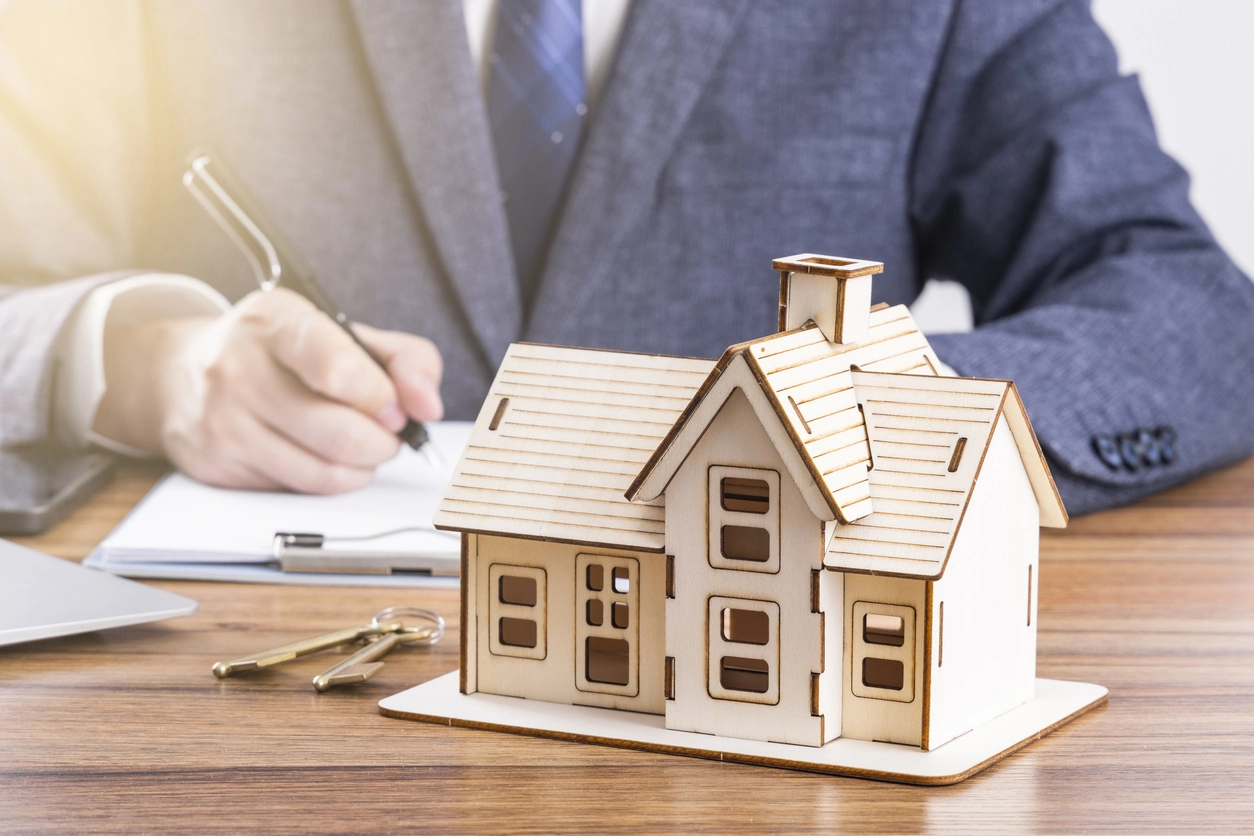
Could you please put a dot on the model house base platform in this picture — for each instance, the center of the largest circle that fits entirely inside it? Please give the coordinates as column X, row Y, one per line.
column 1056, row 702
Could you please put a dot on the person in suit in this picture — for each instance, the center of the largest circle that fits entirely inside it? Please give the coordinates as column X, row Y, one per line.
column 607, row 173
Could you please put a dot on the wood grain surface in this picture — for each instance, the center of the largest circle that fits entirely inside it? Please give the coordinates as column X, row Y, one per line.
column 127, row 731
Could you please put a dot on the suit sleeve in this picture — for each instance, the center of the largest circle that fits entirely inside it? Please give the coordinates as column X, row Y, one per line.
column 74, row 145
column 1038, row 182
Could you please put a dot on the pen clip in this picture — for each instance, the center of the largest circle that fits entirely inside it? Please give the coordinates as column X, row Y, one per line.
column 235, row 222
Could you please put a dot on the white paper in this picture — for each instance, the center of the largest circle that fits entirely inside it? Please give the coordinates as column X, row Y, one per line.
column 182, row 521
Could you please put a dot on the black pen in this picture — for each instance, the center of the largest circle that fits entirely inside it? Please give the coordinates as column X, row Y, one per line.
column 224, row 197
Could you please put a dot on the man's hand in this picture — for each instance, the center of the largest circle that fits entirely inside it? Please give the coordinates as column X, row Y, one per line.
column 273, row 395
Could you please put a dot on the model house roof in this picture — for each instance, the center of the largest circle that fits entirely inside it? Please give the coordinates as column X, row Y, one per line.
column 809, row 386
column 561, row 435
column 567, row 438
column 929, row 436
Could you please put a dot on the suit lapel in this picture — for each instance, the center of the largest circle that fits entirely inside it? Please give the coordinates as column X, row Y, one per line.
column 667, row 55
column 429, row 91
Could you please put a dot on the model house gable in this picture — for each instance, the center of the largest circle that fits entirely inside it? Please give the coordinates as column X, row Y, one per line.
column 929, row 438
column 805, row 380
column 732, row 375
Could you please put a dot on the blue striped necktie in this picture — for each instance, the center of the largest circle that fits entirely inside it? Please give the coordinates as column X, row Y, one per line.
column 536, row 106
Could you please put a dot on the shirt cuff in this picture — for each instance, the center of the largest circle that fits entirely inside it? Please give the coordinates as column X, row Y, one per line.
column 135, row 300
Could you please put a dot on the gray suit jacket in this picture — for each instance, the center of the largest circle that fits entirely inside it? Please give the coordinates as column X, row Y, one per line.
column 981, row 140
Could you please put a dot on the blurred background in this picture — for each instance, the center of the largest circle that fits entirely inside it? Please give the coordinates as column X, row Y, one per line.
column 1197, row 70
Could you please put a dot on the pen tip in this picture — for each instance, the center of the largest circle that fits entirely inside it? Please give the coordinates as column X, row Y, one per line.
column 433, row 458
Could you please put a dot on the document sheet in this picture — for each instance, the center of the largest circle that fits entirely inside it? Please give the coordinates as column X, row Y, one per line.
column 188, row 530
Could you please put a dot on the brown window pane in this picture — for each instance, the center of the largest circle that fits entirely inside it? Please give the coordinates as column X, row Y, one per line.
column 742, row 542
column 740, row 674
column 596, row 577
column 619, row 616
column 518, row 590
column 596, row 613
column 884, row 629
column 883, row 673
column 518, row 632
column 622, row 580
column 749, row 495
column 607, row 660
column 746, row 626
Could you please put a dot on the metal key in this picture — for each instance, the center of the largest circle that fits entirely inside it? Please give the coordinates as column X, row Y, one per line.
column 288, row 652
column 365, row 662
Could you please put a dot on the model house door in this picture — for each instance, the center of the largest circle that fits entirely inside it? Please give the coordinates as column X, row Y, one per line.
column 607, row 624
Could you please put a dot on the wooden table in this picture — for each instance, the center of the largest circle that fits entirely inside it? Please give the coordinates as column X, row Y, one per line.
column 127, row 730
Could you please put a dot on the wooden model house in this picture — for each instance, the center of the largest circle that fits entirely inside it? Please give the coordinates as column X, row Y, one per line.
column 816, row 536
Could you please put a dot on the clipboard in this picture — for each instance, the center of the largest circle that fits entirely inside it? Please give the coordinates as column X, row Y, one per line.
column 380, row 535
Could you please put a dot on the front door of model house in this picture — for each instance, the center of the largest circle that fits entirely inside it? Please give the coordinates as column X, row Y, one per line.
column 607, row 624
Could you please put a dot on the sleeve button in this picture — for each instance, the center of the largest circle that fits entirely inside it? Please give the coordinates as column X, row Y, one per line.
column 1130, row 451
column 1151, row 453
column 1166, row 436
column 1107, row 451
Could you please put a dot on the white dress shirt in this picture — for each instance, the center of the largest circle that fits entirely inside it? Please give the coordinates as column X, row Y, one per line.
column 81, row 382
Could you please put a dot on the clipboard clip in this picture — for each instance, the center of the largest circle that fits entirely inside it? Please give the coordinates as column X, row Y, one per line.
column 313, row 552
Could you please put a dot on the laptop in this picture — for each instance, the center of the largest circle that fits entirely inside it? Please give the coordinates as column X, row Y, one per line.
column 43, row 596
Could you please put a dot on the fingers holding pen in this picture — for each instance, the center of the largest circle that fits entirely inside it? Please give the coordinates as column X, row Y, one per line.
column 275, row 394
column 415, row 367
column 330, row 430
column 323, row 356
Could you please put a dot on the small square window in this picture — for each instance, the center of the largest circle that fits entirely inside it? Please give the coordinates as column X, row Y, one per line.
column 883, row 673
column 737, row 673
column 596, row 613
column 884, row 629
column 746, row 626
column 742, row 542
column 596, row 577
column 608, row 661
column 620, row 615
column 752, row 496
column 518, row 590
column 517, row 632
column 622, row 580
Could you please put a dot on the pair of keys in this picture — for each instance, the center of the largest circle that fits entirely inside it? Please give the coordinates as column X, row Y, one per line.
column 388, row 629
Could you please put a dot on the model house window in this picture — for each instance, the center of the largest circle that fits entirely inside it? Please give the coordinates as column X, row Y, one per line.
column 884, row 629
column 883, row 651
column 607, row 598
column 744, row 626
column 889, row 674
column 517, row 590
column 752, row 676
column 517, row 609
column 517, row 632
column 744, row 519
column 752, row 496
column 743, row 645
column 608, row 661
column 742, row 542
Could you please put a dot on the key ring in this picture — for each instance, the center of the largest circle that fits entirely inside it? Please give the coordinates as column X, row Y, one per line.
column 429, row 635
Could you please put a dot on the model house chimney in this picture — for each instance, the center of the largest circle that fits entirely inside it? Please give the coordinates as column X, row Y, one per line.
column 834, row 292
